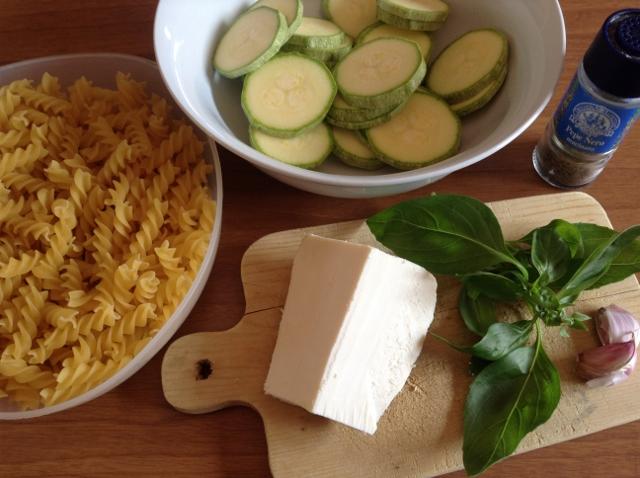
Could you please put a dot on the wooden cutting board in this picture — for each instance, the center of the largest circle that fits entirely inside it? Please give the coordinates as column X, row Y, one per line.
column 421, row 433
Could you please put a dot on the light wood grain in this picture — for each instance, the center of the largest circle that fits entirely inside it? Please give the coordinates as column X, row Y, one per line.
column 133, row 431
column 421, row 432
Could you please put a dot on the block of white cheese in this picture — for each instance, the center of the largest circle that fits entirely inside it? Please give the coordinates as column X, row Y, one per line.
column 354, row 324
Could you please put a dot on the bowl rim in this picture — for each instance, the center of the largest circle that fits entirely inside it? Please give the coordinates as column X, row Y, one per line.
column 173, row 323
column 271, row 165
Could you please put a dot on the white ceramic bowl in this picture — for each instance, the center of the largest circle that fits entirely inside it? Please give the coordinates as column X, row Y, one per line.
column 187, row 31
column 101, row 70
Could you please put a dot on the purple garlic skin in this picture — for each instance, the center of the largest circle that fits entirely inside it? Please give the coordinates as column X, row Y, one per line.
column 616, row 325
column 615, row 360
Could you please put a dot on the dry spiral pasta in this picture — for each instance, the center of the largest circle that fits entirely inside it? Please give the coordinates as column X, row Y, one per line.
column 105, row 218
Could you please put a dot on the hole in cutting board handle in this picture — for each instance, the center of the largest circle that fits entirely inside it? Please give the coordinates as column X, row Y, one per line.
column 204, row 369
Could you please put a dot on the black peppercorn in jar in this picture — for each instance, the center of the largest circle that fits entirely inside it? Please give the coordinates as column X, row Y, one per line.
column 598, row 109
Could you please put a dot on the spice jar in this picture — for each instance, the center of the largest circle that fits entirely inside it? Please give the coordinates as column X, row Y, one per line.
column 599, row 108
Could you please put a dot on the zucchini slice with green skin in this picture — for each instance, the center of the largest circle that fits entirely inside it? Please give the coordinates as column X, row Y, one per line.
column 308, row 151
column 253, row 39
column 353, row 151
column 289, row 95
column 328, row 56
column 352, row 16
column 291, row 9
column 424, row 132
column 317, row 33
column 381, row 73
column 381, row 30
column 468, row 65
column 477, row 102
column 420, row 10
column 343, row 111
column 406, row 24
column 365, row 124
column 357, row 126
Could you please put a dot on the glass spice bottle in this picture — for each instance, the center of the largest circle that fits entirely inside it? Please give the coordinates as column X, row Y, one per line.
column 599, row 108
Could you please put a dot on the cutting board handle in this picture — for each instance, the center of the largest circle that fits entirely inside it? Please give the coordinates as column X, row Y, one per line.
column 209, row 371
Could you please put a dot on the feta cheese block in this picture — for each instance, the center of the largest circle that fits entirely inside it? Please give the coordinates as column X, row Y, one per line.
column 353, row 325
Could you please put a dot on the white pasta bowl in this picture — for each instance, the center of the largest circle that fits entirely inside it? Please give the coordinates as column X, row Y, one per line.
column 101, row 70
column 186, row 33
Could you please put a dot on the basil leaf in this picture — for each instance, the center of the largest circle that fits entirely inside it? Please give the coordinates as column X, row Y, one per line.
column 570, row 235
column 597, row 264
column 506, row 401
column 501, row 339
column 593, row 236
column 493, row 286
column 550, row 255
column 445, row 234
column 478, row 312
column 565, row 231
column 625, row 264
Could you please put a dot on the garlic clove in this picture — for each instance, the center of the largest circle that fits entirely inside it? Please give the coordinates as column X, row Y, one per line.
column 608, row 380
column 606, row 361
column 616, row 325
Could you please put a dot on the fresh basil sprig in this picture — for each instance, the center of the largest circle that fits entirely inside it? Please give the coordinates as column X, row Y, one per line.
column 516, row 388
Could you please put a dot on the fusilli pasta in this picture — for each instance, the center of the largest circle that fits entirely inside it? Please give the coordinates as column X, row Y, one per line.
column 105, row 217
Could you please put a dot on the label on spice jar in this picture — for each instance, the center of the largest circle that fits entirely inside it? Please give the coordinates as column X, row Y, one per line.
column 590, row 124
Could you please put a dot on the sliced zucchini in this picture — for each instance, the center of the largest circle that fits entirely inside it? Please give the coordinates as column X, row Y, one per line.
column 478, row 101
column 328, row 56
column 380, row 73
column 365, row 124
column 420, row 10
column 308, row 151
column 352, row 16
column 317, row 33
column 291, row 9
column 424, row 132
column 353, row 151
column 381, row 30
column 289, row 95
column 343, row 111
column 253, row 39
column 406, row 24
column 468, row 65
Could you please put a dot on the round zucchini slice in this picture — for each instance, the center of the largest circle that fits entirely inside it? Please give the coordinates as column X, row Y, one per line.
column 480, row 100
column 253, row 39
column 308, row 151
column 353, row 151
column 406, row 24
column 468, row 65
column 291, row 9
column 289, row 95
column 381, row 73
column 352, row 16
column 365, row 123
column 420, row 10
column 424, row 132
column 317, row 33
column 382, row 30
column 343, row 111
column 328, row 56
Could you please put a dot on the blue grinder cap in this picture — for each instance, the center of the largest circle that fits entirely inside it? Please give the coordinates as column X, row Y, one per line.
column 612, row 62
